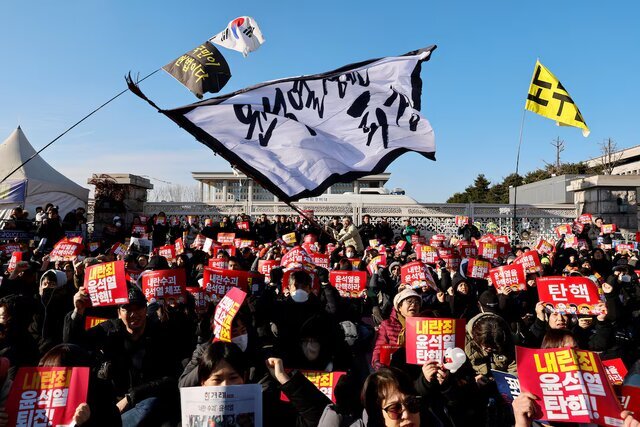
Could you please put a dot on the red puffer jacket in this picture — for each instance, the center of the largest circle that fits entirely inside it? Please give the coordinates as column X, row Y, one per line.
column 387, row 334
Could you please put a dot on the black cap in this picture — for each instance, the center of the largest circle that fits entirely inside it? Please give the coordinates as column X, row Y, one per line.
column 157, row 262
column 489, row 301
column 136, row 297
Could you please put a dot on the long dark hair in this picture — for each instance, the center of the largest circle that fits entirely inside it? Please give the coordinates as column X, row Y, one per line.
column 555, row 338
column 220, row 351
column 377, row 387
column 493, row 332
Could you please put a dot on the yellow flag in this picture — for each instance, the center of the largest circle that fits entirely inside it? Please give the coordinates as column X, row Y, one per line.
column 549, row 98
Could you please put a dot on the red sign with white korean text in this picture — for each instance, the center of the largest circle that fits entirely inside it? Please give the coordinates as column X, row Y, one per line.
column 462, row 221
column 570, row 241
column 323, row 381
column 572, row 294
column 417, row 275
column 417, row 239
column 380, row 260
column 217, row 282
column 467, row 250
column 200, row 298
column 321, row 260
column 16, row 257
column 488, row 250
column 106, row 284
column 9, row 248
column 243, row 225
column 350, row 284
column 530, row 260
column 65, row 250
column 544, row 247
column 198, row 242
column 164, row 285
column 400, row 247
column 585, row 219
column 46, row 396
column 437, row 240
column 226, row 238
column 138, row 229
column 625, row 247
column 616, row 371
column 168, row 251
column 91, row 321
column 608, row 228
column 578, row 228
column 428, row 338
column 218, row 263
column 295, row 257
column 179, row 246
column 564, row 229
column 386, row 352
column 132, row 274
column 629, row 397
column 265, row 266
column 477, row 268
column 427, row 254
column 571, row 385
column 226, row 310
column 119, row 249
column 451, row 261
column 230, row 250
column 512, row 276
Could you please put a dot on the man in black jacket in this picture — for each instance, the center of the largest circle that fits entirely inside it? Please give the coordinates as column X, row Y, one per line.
column 136, row 356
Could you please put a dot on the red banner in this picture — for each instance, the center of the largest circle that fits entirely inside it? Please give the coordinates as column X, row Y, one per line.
column 321, row 260
column 417, row 239
column 218, row 263
column 138, row 229
column 226, row 238
column 544, row 247
column 571, row 385
column 226, row 310
column 91, row 321
column 164, row 285
column 46, row 396
column 168, row 251
column 179, row 246
column 65, row 250
column 467, row 250
column 265, row 266
column 201, row 299
column 295, row 257
column 585, row 219
column 616, row 371
column 477, row 268
column 462, row 221
column 437, row 240
column 488, row 250
column 451, row 261
column 530, row 260
column 400, row 247
column 564, row 229
column 217, row 282
column 428, row 338
column 417, row 275
column 512, row 276
column 350, row 284
column 608, row 228
column 16, row 257
column 243, row 225
column 106, row 284
column 427, row 254
column 569, row 294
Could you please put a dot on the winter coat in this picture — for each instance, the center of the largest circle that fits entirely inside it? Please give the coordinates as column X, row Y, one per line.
column 481, row 362
column 388, row 333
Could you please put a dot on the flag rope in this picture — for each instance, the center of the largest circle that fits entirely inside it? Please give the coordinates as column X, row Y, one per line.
column 515, row 187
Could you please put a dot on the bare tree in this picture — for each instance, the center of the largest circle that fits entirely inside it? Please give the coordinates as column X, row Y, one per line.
column 175, row 193
column 610, row 157
column 558, row 144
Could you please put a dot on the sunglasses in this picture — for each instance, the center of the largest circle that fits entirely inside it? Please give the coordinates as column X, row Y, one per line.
column 412, row 404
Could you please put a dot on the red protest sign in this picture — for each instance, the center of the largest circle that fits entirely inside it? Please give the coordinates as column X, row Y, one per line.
column 164, row 285
column 243, row 225
column 119, row 249
column 608, row 228
column 625, row 247
column 616, row 371
column 428, row 338
column 323, row 381
column 217, row 282
column 91, row 321
column 571, row 385
column 570, row 241
column 226, row 310
column 321, row 260
column 16, row 257
column 488, row 250
column 530, row 260
column 570, row 294
column 462, row 221
column 265, row 266
column 477, row 268
column 106, row 284
column 386, row 352
column 417, row 275
column 218, row 263
column 200, row 297
column 243, row 243
column 230, row 250
column 132, row 275
column 350, row 284
column 544, row 247
column 437, row 240
column 451, row 261
column 168, row 251
column 630, row 399
column 417, row 239
column 355, row 263
column 564, row 229
column 427, row 254
column 512, row 276
column 400, row 247
column 138, row 229
column 578, row 228
column 199, row 241
column 380, row 260
column 467, row 250
column 226, row 238
column 9, row 248
column 315, row 281
column 295, row 257
column 585, row 219
column 179, row 246
column 46, row 396
column 65, row 250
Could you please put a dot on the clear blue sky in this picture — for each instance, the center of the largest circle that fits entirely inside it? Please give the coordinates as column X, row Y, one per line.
column 62, row 59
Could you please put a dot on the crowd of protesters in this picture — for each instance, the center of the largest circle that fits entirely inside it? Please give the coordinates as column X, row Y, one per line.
column 146, row 351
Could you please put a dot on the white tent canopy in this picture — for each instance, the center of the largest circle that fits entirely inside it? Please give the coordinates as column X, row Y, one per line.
column 44, row 183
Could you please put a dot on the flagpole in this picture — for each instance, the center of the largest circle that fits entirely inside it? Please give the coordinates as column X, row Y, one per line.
column 74, row 125
column 515, row 187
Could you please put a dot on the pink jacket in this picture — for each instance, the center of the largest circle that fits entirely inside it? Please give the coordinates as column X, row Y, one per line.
column 387, row 334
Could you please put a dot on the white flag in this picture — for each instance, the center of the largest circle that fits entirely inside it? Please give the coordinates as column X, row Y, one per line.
column 242, row 34
column 298, row 136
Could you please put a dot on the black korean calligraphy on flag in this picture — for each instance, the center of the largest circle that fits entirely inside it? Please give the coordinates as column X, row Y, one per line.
column 201, row 70
column 298, row 136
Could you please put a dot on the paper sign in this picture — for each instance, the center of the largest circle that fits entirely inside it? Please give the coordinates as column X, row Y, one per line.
column 217, row 282
column 530, row 260
column 616, row 371
column 161, row 220
column 374, row 243
column 46, row 396
column 400, row 247
column 168, row 251
column 226, row 310
column 16, row 257
column 437, row 240
column 289, row 238
column 350, row 284
column 625, row 247
column 571, row 385
column 585, row 219
column 452, row 262
column 477, row 268
column 323, row 381
column 230, row 250
column 265, row 266
column 467, row 250
column 544, row 247
column 243, row 225
column 564, row 229
column 512, row 276
column 508, row 385
column 199, row 241
column 235, row 405
column 629, row 397
column 296, row 257
column 138, row 229
column 572, row 294
column 418, row 239
column 65, row 250
column 321, row 260
column 608, row 228
column 427, row 254
column 208, row 244
column 380, row 260
column 427, row 338
column 462, row 221
column 91, row 321
column 488, row 250
column 201, row 299
column 106, row 284
column 570, row 241
column 164, row 285
column 179, row 246
column 386, row 353
column 417, row 275
column 226, row 238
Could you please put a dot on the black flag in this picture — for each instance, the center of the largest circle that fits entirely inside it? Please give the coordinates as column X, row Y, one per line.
column 204, row 69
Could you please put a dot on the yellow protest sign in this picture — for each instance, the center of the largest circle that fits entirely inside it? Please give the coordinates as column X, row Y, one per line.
column 550, row 99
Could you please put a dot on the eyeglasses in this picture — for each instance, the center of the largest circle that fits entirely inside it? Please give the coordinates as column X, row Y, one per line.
column 411, row 404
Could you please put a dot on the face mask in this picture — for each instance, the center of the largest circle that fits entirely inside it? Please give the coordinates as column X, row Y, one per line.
column 625, row 278
column 311, row 350
column 299, row 295
column 350, row 254
column 118, row 224
column 241, row 341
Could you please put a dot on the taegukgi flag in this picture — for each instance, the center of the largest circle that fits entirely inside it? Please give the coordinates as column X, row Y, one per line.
column 550, row 99
column 297, row 136
column 242, row 34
